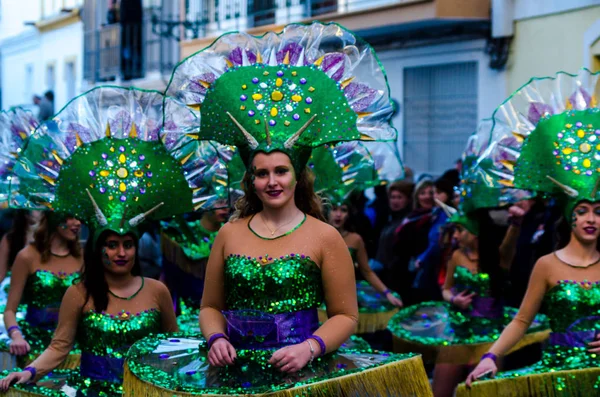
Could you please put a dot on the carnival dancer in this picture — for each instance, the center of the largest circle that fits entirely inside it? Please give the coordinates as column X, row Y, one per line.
column 453, row 334
column 186, row 244
column 112, row 144
column 275, row 98
column 340, row 170
column 545, row 139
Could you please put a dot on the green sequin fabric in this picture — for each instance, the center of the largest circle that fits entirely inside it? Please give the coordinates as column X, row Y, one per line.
column 272, row 285
column 178, row 362
column 442, row 324
column 571, row 306
column 195, row 241
column 105, row 335
column 43, row 291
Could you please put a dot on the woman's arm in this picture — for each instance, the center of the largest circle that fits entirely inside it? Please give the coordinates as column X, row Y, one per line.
column 20, row 273
column 536, row 289
column 165, row 305
column 4, row 253
column 71, row 308
column 213, row 298
column 449, row 282
column 369, row 274
column 339, row 285
column 508, row 247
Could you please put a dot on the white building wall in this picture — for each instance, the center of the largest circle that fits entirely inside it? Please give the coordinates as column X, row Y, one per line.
column 24, row 48
column 492, row 84
column 59, row 47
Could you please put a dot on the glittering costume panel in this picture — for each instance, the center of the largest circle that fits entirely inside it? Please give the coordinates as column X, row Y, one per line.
column 40, row 287
column 104, row 337
column 288, row 283
column 571, row 299
column 446, row 334
column 279, row 276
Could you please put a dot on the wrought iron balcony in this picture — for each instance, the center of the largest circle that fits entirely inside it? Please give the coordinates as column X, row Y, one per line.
column 127, row 51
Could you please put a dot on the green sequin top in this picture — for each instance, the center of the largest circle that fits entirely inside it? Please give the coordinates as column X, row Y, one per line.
column 109, row 335
column 464, row 279
column 353, row 253
column 285, row 284
column 45, row 289
column 195, row 241
column 568, row 302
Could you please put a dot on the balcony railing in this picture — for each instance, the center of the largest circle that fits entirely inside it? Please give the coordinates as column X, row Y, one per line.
column 127, row 51
column 214, row 17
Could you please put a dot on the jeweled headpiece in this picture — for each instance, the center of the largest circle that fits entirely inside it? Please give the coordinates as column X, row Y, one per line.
column 114, row 157
column 16, row 125
column 290, row 92
column 546, row 138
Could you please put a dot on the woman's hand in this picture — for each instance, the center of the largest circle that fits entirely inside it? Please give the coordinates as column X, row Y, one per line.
column 18, row 345
column 14, row 378
column 485, row 366
column 595, row 345
column 292, row 358
column 221, row 353
column 393, row 300
column 463, row 300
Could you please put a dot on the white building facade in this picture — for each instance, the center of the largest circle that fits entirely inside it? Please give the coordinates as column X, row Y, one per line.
column 41, row 49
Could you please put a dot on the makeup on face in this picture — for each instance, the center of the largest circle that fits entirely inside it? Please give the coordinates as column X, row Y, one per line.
column 585, row 221
column 274, row 178
column 118, row 252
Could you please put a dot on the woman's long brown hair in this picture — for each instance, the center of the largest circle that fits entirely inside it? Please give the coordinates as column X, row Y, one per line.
column 43, row 236
column 305, row 197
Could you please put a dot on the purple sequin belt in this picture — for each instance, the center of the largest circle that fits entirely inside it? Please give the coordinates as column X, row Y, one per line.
column 486, row 307
column 571, row 338
column 253, row 329
column 38, row 317
column 102, row 368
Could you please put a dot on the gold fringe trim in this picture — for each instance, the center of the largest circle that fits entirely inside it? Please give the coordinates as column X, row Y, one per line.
column 173, row 252
column 12, row 392
column 460, row 354
column 572, row 383
column 400, row 378
column 367, row 322
column 71, row 362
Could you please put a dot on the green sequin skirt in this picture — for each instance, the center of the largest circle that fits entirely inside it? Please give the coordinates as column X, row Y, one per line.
column 443, row 334
column 176, row 365
column 374, row 310
column 562, row 372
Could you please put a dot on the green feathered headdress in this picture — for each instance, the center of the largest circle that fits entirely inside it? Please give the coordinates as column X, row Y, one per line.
column 291, row 92
column 477, row 188
column 546, row 138
column 16, row 125
column 353, row 166
column 461, row 218
column 113, row 157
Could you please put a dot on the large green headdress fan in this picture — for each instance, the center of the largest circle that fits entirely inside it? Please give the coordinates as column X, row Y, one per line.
column 353, row 166
column 477, row 187
column 16, row 125
column 308, row 86
column 113, row 157
column 546, row 138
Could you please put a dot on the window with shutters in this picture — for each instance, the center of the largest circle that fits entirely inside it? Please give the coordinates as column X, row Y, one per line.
column 439, row 114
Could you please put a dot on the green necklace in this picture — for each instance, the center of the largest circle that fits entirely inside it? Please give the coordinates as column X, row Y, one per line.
column 280, row 236
column 129, row 297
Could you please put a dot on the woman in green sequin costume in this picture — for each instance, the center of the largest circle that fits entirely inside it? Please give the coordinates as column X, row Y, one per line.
column 454, row 334
column 41, row 274
column 124, row 168
column 342, row 170
column 550, row 155
column 276, row 98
